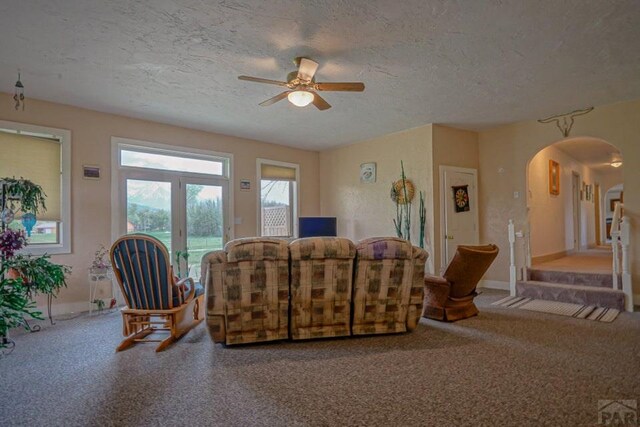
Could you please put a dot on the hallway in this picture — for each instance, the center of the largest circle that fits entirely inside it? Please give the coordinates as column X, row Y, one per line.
column 598, row 260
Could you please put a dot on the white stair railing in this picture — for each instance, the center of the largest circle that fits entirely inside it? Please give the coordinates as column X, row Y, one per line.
column 519, row 255
column 620, row 240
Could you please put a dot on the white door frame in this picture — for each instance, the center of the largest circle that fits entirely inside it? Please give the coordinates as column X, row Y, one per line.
column 576, row 179
column 443, row 208
column 119, row 174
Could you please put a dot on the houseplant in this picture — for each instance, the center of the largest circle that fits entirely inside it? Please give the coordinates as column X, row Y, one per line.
column 27, row 195
column 100, row 264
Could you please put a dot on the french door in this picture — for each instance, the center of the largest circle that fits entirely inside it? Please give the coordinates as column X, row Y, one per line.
column 187, row 212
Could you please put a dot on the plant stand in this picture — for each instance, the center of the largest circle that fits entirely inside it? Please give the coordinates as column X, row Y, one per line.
column 95, row 278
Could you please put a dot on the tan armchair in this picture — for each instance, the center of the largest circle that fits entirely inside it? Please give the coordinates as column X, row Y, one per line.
column 451, row 297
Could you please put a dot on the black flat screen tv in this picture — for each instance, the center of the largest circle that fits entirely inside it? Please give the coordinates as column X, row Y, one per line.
column 317, row 226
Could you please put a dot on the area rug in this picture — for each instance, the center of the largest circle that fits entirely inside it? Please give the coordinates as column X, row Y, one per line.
column 578, row 311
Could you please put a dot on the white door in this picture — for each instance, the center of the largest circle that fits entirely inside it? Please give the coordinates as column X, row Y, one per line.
column 459, row 209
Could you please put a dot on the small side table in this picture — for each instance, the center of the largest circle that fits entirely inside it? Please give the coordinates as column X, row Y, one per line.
column 94, row 280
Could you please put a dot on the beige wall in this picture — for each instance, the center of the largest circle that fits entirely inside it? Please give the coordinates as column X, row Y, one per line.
column 91, row 134
column 506, row 150
column 451, row 147
column 550, row 216
column 366, row 210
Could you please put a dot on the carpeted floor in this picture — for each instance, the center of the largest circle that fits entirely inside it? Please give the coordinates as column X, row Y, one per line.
column 595, row 260
column 504, row 367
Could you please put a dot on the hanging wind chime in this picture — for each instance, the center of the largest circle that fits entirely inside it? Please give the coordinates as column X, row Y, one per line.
column 18, row 96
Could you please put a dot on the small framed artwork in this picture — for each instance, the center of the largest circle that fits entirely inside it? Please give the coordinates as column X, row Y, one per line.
column 368, row 173
column 554, row 178
column 90, row 172
column 612, row 204
column 245, row 185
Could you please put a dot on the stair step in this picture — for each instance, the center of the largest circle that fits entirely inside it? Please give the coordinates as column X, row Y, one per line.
column 576, row 294
column 600, row 280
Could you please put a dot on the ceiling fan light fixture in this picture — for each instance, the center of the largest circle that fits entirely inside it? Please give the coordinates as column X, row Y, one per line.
column 616, row 163
column 300, row 98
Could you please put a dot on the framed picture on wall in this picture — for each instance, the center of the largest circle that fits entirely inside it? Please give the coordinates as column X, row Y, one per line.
column 368, row 173
column 554, row 178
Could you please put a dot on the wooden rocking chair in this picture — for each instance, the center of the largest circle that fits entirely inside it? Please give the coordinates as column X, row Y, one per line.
column 155, row 301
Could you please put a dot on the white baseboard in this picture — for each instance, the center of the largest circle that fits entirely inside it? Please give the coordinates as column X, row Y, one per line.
column 65, row 308
column 494, row 284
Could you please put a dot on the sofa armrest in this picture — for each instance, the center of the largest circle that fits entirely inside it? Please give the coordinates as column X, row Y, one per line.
column 213, row 266
column 436, row 293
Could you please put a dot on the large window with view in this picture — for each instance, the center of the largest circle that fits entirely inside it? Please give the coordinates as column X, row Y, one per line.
column 180, row 196
column 40, row 155
column 278, row 198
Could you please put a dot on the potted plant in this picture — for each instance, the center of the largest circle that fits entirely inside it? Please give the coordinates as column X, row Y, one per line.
column 28, row 195
column 100, row 264
column 14, row 306
column 39, row 275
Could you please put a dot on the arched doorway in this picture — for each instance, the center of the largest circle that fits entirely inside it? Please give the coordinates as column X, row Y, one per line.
column 567, row 185
column 566, row 212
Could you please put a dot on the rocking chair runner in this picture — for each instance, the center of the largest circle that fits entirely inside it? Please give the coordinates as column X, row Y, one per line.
column 155, row 302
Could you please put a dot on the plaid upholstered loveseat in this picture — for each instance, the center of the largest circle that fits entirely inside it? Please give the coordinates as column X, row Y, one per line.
column 262, row 289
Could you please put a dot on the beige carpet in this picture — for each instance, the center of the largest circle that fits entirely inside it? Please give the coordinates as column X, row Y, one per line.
column 589, row 261
column 501, row 368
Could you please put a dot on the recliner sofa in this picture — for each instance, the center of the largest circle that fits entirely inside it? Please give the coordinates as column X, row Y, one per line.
column 262, row 289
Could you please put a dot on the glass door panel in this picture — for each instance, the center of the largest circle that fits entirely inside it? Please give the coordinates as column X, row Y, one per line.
column 149, row 209
column 205, row 223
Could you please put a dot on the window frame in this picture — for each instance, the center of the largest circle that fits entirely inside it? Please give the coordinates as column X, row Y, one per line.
column 118, row 171
column 64, row 225
column 293, row 193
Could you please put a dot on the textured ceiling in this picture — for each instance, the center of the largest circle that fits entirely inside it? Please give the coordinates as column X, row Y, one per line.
column 470, row 64
column 591, row 152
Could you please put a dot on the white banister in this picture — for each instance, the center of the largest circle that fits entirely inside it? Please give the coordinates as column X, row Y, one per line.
column 620, row 240
column 625, row 240
column 512, row 258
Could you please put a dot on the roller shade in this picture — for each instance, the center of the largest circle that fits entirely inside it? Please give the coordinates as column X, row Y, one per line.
column 38, row 160
column 274, row 172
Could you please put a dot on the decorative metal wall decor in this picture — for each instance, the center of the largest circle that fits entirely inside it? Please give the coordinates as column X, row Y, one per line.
column 18, row 95
column 564, row 122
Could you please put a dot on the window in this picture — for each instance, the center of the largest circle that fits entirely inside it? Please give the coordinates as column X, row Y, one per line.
column 178, row 195
column 40, row 155
column 278, row 198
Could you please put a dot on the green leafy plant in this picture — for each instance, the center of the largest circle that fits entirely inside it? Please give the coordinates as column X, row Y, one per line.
column 14, row 305
column 180, row 256
column 39, row 274
column 423, row 219
column 99, row 303
column 402, row 221
column 29, row 196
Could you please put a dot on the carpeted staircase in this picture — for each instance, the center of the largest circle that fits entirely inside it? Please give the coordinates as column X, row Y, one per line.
column 572, row 287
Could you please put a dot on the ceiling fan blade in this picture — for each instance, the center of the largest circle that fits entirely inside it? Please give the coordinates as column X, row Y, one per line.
column 260, row 80
column 307, row 69
column 275, row 99
column 320, row 103
column 341, row 87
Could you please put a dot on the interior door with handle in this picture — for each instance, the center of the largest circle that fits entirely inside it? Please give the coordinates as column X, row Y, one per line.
column 459, row 210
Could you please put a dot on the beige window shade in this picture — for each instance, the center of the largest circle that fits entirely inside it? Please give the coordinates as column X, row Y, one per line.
column 38, row 160
column 281, row 173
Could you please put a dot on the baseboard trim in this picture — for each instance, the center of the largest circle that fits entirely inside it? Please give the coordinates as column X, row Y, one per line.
column 65, row 308
column 550, row 257
column 494, row 284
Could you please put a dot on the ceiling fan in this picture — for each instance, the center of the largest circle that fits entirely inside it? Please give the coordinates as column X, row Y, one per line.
column 302, row 88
